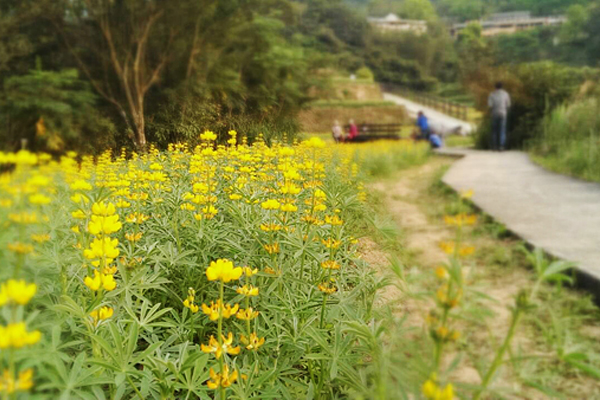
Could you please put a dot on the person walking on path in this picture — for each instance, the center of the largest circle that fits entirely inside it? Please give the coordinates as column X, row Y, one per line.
column 336, row 131
column 499, row 103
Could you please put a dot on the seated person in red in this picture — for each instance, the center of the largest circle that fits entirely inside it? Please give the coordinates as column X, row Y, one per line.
column 352, row 132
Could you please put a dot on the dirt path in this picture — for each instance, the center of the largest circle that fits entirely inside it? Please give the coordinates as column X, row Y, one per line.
column 496, row 272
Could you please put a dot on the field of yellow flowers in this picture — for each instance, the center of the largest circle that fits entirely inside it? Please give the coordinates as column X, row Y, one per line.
column 213, row 272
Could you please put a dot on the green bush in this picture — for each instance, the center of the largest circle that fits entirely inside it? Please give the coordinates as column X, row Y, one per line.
column 570, row 139
column 365, row 73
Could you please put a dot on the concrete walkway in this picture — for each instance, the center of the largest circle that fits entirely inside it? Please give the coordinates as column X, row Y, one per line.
column 548, row 210
column 438, row 121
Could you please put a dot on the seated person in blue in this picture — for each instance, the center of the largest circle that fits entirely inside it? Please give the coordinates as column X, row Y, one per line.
column 423, row 125
column 435, row 140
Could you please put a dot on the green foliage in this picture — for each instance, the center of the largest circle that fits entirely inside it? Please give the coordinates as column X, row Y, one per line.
column 365, row 73
column 570, row 139
column 64, row 103
column 535, row 89
column 466, row 10
column 383, row 159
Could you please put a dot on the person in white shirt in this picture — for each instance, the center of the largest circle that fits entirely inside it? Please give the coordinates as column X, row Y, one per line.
column 499, row 103
column 336, row 131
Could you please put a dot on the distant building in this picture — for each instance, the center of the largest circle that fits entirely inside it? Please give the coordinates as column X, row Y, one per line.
column 393, row 23
column 510, row 22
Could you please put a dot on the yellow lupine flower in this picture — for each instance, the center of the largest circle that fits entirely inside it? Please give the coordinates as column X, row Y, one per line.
column 320, row 207
column 247, row 314
column 331, row 243
column 213, row 311
column 137, row 218
column 223, row 270
column 40, row 237
column 106, row 282
column 81, row 185
column 249, row 272
column 314, row 143
column 290, row 188
column 122, row 203
column 247, row 290
column 450, row 248
column 271, row 204
column 79, row 214
column 23, row 218
column 330, row 264
column 189, row 301
column 187, row 207
column 333, row 220
column 270, row 227
column 289, row 207
column 6, row 203
column 23, row 383
column 225, row 347
column 208, row 136
column 20, row 248
column 272, row 248
column 253, row 342
column 15, row 336
column 327, row 287
column 17, row 291
column 133, row 237
column 39, row 199
column 103, row 209
column 102, row 247
column 460, row 219
column 442, row 272
column 432, row 391
column 222, row 379
column 210, row 211
column 104, row 224
column 101, row 314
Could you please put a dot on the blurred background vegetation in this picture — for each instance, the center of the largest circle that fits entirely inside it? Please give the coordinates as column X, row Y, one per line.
column 92, row 74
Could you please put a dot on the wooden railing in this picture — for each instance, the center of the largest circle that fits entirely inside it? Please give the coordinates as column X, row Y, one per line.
column 445, row 106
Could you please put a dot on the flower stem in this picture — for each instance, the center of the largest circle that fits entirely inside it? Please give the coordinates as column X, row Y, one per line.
column 323, row 310
column 500, row 354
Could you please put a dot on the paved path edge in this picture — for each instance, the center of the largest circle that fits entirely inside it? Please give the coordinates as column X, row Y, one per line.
column 583, row 280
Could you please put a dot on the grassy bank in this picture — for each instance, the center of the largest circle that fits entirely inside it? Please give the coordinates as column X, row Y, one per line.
column 552, row 351
column 570, row 140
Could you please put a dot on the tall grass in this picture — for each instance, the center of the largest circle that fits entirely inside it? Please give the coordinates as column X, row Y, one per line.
column 570, row 140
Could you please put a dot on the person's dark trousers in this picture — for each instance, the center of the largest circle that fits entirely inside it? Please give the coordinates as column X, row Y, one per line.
column 498, row 137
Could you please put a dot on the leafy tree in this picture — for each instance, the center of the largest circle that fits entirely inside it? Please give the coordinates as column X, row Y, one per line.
column 52, row 109
column 122, row 33
column 474, row 52
column 573, row 30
